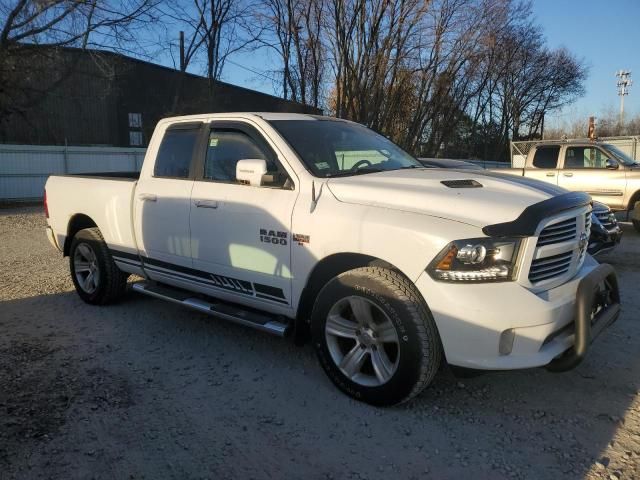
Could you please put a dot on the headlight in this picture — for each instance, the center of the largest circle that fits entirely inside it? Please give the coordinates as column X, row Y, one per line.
column 476, row 260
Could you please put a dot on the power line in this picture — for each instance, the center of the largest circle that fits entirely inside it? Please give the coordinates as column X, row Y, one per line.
column 251, row 70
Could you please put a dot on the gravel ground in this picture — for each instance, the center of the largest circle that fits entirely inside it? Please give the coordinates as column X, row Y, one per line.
column 146, row 389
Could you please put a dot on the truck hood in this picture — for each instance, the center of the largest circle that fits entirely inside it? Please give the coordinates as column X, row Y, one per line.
column 500, row 198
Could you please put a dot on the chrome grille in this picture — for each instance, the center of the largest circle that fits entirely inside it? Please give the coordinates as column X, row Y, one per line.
column 561, row 248
column 558, row 232
column 587, row 222
column 549, row 267
column 582, row 252
column 604, row 217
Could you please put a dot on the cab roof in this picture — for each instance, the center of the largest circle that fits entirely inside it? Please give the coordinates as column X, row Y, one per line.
column 263, row 115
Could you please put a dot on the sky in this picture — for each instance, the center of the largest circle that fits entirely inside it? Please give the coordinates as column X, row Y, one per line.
column 604, row 34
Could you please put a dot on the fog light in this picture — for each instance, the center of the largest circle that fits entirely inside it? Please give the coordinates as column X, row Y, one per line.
column 506, row 341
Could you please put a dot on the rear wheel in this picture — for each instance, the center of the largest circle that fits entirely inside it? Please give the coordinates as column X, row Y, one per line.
column 375, row 336
column 96, row 277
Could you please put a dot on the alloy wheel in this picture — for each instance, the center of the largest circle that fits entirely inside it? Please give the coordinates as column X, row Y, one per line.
column 362, row 341
column 85, row 266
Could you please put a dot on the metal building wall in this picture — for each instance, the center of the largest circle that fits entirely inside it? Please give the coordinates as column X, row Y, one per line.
column 24, row 169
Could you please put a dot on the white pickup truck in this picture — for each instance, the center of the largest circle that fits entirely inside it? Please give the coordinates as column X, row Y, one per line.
column 323, row 228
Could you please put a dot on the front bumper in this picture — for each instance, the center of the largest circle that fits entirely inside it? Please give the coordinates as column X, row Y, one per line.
column 597, row 307
column 473, row 319
column 605, row 241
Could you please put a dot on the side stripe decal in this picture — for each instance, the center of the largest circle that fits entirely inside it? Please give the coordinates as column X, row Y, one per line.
column 127, row 262
column 266, row 292
column 272, row 299
column 127, row 255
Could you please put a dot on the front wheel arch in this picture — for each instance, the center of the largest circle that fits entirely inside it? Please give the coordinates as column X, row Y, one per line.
column 633, row 200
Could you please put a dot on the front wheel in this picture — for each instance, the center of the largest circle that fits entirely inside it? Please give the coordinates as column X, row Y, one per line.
column 96, row 277
column 634, row 211
column 375, row 337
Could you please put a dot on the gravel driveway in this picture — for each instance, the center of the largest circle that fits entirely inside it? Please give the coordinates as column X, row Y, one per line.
column 146, row 389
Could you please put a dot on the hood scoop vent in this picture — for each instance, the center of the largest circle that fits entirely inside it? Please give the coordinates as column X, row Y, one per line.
column 461, row 184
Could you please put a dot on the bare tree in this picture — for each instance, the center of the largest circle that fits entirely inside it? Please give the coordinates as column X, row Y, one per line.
column 437, row 76
column 427, row 73
column 574, row 125
column 373, row 44
column 296, row 34
column 526, row 81
column 485, row 77
column 214, row 30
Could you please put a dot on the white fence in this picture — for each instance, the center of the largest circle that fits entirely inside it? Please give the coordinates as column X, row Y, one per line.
column 24, row 169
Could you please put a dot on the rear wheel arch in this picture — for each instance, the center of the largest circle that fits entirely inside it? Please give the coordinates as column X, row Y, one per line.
column 326, row 269
column 78, row 222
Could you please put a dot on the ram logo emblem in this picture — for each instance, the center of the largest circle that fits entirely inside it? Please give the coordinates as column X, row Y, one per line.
column 583, row 242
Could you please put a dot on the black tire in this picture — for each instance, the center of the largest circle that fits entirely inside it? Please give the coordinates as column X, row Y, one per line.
column 418, row 347
column 111, row 281
column 632, row 210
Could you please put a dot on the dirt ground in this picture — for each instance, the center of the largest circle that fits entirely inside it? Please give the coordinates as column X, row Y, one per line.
column 146, row 389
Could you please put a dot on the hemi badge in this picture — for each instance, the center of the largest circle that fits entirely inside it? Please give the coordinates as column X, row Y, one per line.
column 298, row 237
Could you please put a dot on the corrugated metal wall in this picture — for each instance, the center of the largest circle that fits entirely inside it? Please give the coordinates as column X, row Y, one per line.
column 24, row 169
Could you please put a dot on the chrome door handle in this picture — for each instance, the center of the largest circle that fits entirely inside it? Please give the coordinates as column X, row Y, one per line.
column 148, row 197
column 551, row 174
column 568, row 174
column 206, row 203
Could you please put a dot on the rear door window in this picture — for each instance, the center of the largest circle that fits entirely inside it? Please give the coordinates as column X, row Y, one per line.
column 175, row 153
column 546, row 157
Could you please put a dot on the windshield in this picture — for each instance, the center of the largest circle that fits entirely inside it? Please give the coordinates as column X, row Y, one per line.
column 623, row 157
column 331, row 148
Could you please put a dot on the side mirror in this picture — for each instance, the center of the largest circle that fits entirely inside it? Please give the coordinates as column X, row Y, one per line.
column 612, row 164
column 250, row 171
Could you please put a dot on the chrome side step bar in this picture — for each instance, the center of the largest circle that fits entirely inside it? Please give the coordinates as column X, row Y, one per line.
column 227, row 311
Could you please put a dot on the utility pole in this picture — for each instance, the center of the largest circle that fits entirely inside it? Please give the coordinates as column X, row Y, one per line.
column 624, row 82
column 183, row 67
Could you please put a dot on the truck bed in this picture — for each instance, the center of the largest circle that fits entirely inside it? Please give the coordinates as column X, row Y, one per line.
column 106, row 198
column 126, row 176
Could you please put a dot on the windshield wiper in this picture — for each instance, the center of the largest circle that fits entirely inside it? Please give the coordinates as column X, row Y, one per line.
column 360, row 171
